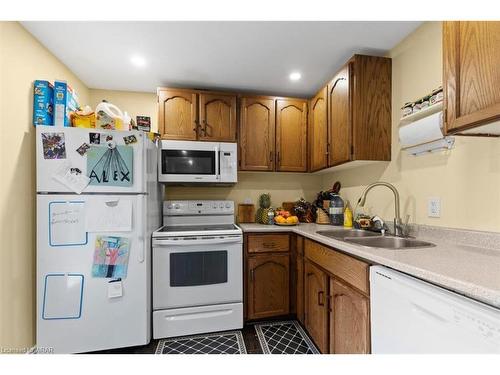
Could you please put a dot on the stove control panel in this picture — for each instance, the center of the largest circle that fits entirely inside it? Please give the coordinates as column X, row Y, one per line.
column 202, row 207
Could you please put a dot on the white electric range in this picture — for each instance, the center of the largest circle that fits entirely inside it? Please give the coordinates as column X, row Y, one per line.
column 197, row 269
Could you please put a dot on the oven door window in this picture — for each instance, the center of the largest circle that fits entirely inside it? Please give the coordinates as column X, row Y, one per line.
column 188, row 162
column 198, row 268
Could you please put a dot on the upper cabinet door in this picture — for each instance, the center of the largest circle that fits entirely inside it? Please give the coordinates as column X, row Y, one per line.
column 217, row 117
column 318, row 131
column 256, row 135
column 177, row 114
column 471, row 55
column 291, row 135
column 339, row 118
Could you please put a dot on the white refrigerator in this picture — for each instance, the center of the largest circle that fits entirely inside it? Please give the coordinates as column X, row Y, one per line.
column 86, row 299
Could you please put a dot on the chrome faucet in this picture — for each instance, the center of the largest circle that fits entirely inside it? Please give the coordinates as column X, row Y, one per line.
column 399, row 228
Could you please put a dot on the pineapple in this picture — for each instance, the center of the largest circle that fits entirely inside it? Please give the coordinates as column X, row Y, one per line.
column 264, row 204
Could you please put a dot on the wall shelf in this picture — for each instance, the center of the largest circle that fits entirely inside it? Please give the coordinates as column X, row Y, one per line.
column 421, row 114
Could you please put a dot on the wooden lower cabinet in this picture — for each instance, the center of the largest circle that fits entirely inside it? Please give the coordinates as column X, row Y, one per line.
column 316, row 313
column 268, row 285
column 349, row 320
column 299, row 289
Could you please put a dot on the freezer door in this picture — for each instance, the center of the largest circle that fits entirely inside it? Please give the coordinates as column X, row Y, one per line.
column 77, row 312
column 57, row 147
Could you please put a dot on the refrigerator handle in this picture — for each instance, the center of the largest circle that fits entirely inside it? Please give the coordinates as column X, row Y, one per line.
column 140, row 258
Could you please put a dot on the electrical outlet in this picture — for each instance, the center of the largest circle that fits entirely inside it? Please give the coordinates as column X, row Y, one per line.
column 434, row 207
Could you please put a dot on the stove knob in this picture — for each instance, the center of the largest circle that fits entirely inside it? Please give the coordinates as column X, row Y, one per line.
column 169, row 206
column 228, row 205
column 215, row 206
column 221, row 205
column 177, row 206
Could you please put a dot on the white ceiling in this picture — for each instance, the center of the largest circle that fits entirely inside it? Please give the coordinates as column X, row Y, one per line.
column 244, row 56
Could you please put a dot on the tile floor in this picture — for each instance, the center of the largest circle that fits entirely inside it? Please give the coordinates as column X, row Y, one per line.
column 249, row 335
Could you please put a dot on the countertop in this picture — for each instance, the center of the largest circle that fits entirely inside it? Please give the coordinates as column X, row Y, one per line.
column 467, row 269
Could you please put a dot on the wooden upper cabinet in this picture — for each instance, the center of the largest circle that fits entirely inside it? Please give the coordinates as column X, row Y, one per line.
column 471, row 76
column 291, row 135
column 177, row 114
column 318, row 131
column 339, row 114
column 217, row 117
column 349, row 320
column 268, row 285
column 257, row 134
column 371, row 107
column 315, row 305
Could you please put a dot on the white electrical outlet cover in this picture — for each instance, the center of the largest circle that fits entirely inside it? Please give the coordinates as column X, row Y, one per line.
column 434, row 207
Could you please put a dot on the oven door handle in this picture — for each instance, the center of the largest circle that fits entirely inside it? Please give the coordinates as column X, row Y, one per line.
column 214, row 241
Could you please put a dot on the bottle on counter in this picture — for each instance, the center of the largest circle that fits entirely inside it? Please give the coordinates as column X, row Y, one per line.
column 270, row 216
column 336, row 210
column 348, row 215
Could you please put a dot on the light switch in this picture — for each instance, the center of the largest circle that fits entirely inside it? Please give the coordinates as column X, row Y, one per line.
column 434, row 207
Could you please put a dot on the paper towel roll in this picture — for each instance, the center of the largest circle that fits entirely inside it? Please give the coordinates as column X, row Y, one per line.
column 425, row 130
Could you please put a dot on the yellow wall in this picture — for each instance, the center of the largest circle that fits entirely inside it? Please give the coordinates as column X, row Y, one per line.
column 467, row 178
column 135, row 103
column 282, row 187
column 22, row 60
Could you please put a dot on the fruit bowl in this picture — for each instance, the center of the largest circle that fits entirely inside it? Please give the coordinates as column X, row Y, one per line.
column 286, row 224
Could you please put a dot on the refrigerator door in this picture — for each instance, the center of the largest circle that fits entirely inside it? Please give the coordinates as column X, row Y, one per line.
column 77, row 312
column 53, row 153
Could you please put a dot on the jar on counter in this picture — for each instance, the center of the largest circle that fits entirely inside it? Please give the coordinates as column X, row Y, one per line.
column 336, row 210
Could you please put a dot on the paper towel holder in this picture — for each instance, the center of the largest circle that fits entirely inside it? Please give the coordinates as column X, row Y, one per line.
column 442, row 144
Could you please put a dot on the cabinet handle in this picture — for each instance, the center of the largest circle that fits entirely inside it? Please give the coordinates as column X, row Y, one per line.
column 270, row 156
column 310, row 274
column 321, row 296
column 252, row 275
column 279, row 158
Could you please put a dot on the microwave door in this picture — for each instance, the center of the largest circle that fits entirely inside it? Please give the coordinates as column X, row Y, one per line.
column 189, row 165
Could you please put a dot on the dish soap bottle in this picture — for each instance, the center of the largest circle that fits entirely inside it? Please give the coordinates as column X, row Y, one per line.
column 348, row 215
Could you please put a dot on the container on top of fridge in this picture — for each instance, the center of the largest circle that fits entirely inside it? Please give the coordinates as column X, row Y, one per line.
column 43, row 103
column 65, row 102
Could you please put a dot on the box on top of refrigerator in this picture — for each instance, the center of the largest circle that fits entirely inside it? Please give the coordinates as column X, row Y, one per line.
column 65, row 102
column 43, row 103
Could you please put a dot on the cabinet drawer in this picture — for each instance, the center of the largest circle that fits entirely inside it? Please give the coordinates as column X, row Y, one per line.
column 349, row 269
column 264, row 243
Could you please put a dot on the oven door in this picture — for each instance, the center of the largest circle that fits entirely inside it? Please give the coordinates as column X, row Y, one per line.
column 197, row 271
column 188, row 161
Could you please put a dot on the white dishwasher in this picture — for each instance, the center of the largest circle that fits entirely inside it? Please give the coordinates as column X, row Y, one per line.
column 409, row 315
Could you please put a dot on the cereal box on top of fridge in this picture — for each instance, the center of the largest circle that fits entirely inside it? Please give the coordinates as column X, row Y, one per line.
column 65, row 102
column 43, row 103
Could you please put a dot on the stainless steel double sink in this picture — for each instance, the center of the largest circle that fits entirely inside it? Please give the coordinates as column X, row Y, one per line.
column 374, row 240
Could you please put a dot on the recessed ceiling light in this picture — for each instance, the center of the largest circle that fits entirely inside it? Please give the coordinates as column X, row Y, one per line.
column 295, row 76
column 138, row 61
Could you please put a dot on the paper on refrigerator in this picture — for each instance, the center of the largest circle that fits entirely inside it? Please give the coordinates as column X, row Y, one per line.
column 108, row 215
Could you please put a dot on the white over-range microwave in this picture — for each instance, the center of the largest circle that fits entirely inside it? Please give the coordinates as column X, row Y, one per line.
column 186, row 162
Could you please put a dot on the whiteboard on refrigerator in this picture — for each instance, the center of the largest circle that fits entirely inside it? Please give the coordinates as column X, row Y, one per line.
column 67, row 223
column 63, row 296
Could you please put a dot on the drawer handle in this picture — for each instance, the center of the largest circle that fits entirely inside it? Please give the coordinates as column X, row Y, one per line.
column 321, row 298
column 269, row 244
